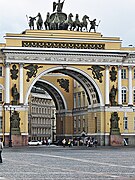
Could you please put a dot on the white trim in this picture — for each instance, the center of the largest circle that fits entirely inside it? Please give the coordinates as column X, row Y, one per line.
column 127, row 134
column 60, row 50
column 6, row 134
column 24, row 134
column 63, row 39
column 38, row 79
column 70, row 68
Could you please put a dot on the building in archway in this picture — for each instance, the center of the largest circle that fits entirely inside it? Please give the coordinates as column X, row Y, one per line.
column 40, row 114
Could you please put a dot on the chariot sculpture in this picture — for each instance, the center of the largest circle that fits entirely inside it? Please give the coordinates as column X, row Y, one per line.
column 59, row 20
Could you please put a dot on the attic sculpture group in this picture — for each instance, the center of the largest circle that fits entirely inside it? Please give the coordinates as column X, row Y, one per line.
column 61, row 21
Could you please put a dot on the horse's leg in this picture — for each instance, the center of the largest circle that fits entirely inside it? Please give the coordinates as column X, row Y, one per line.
column 45, row 25
column 48, row 26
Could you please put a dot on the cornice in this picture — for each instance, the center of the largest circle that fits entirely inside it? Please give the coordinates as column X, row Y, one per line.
column 58, row 56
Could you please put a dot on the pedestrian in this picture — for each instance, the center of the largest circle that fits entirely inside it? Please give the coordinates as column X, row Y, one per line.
column 49, row 141
column 64, row 142
column 1, row 148
column 69, row 143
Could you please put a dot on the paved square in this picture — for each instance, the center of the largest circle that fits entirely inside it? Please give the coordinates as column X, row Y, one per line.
column 76, row 163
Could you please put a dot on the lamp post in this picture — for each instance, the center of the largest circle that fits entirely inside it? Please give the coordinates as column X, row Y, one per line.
column 53, row 118
column 10, row 133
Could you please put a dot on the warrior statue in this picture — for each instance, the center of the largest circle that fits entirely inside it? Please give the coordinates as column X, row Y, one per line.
column 31, row 22
column 93, row 25
column 59, row 6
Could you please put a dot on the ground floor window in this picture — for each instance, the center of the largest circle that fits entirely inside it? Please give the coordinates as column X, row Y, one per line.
column 125, row 123
column 0, row 122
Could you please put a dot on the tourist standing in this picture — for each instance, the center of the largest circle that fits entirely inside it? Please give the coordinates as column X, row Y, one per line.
column 1, row 148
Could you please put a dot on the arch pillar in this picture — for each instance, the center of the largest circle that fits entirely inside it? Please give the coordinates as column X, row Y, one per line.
column 64, row 125
column 21, row 83
column 119, row 86
column 130, row 88
column 107, row 85
column 7, row 83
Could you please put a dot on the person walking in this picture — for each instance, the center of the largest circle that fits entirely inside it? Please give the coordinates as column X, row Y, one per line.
column 1, row 148
column 64, row 142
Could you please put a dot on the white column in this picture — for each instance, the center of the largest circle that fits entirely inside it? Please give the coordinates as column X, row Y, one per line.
column 7, row 83
column 21, row 84
column 130, row 89
column 107, row 86
column 119, row 86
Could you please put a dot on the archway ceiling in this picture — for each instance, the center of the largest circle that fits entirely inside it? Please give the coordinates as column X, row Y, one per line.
column 92, row 95
column 53, row 93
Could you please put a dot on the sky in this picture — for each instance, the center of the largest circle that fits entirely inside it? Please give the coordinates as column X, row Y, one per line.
column 116, row 16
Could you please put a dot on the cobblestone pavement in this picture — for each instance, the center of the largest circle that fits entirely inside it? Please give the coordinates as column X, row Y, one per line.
column 76, row 163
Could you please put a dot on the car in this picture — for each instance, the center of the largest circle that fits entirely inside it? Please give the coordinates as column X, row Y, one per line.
column 34, row 143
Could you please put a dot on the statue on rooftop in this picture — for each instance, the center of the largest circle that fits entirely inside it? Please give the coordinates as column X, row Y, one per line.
column 47, row 21
column 59, row 6
column 39, row 21
column 31, row 22
column 93, row 25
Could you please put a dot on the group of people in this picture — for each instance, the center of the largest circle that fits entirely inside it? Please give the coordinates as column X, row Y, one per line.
column 46, row 141
column 89, row 142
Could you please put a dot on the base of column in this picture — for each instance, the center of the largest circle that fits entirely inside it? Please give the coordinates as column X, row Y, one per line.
column 120, row 105
column 17, row 140
column 130, row 105
column 116, row 140
column 107, row 105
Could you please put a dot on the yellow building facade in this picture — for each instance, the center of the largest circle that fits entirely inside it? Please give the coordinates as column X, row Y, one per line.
column 54, row 60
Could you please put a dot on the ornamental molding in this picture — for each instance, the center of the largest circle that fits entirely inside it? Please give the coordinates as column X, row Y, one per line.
column 63, row 45
column 79, row 57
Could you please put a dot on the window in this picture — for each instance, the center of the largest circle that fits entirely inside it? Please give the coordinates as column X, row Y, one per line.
column 74, row 100
column 75, row 83
column 124, row 91
column 79, row 99
column 0, row 93
column 134, row 123
column 134, row 73
column 134, row 95
column 79, row 123
column 83, row 99
column 125, row 123
column 74, row 122
column 83, row 124
column 0, row 122
column 123, row 73
column 0, row 71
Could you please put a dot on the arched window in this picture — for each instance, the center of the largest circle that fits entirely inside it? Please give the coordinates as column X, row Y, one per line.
column 134, row 94
column 1, row 93
column 124, row 94
column 74, row 100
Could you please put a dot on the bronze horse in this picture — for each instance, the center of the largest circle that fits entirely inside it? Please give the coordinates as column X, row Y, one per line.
column 39, row 22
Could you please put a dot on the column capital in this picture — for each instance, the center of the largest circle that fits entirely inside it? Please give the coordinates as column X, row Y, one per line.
column 21, row 65
column 7, row 64
column 107, row 66
column 120, row 66
column 130, row 66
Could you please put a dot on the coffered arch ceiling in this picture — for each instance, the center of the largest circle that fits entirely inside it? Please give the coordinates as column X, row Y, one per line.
column 57, row 97
column 91, row 91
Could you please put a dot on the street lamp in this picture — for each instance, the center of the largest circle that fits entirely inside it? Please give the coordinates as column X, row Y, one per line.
column 10, row 133
column 53, row 118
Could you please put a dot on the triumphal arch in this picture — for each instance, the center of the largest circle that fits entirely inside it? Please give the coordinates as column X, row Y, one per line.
column 53, row 57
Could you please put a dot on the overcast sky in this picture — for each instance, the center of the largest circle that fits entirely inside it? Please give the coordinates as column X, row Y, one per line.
column 117, row 16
